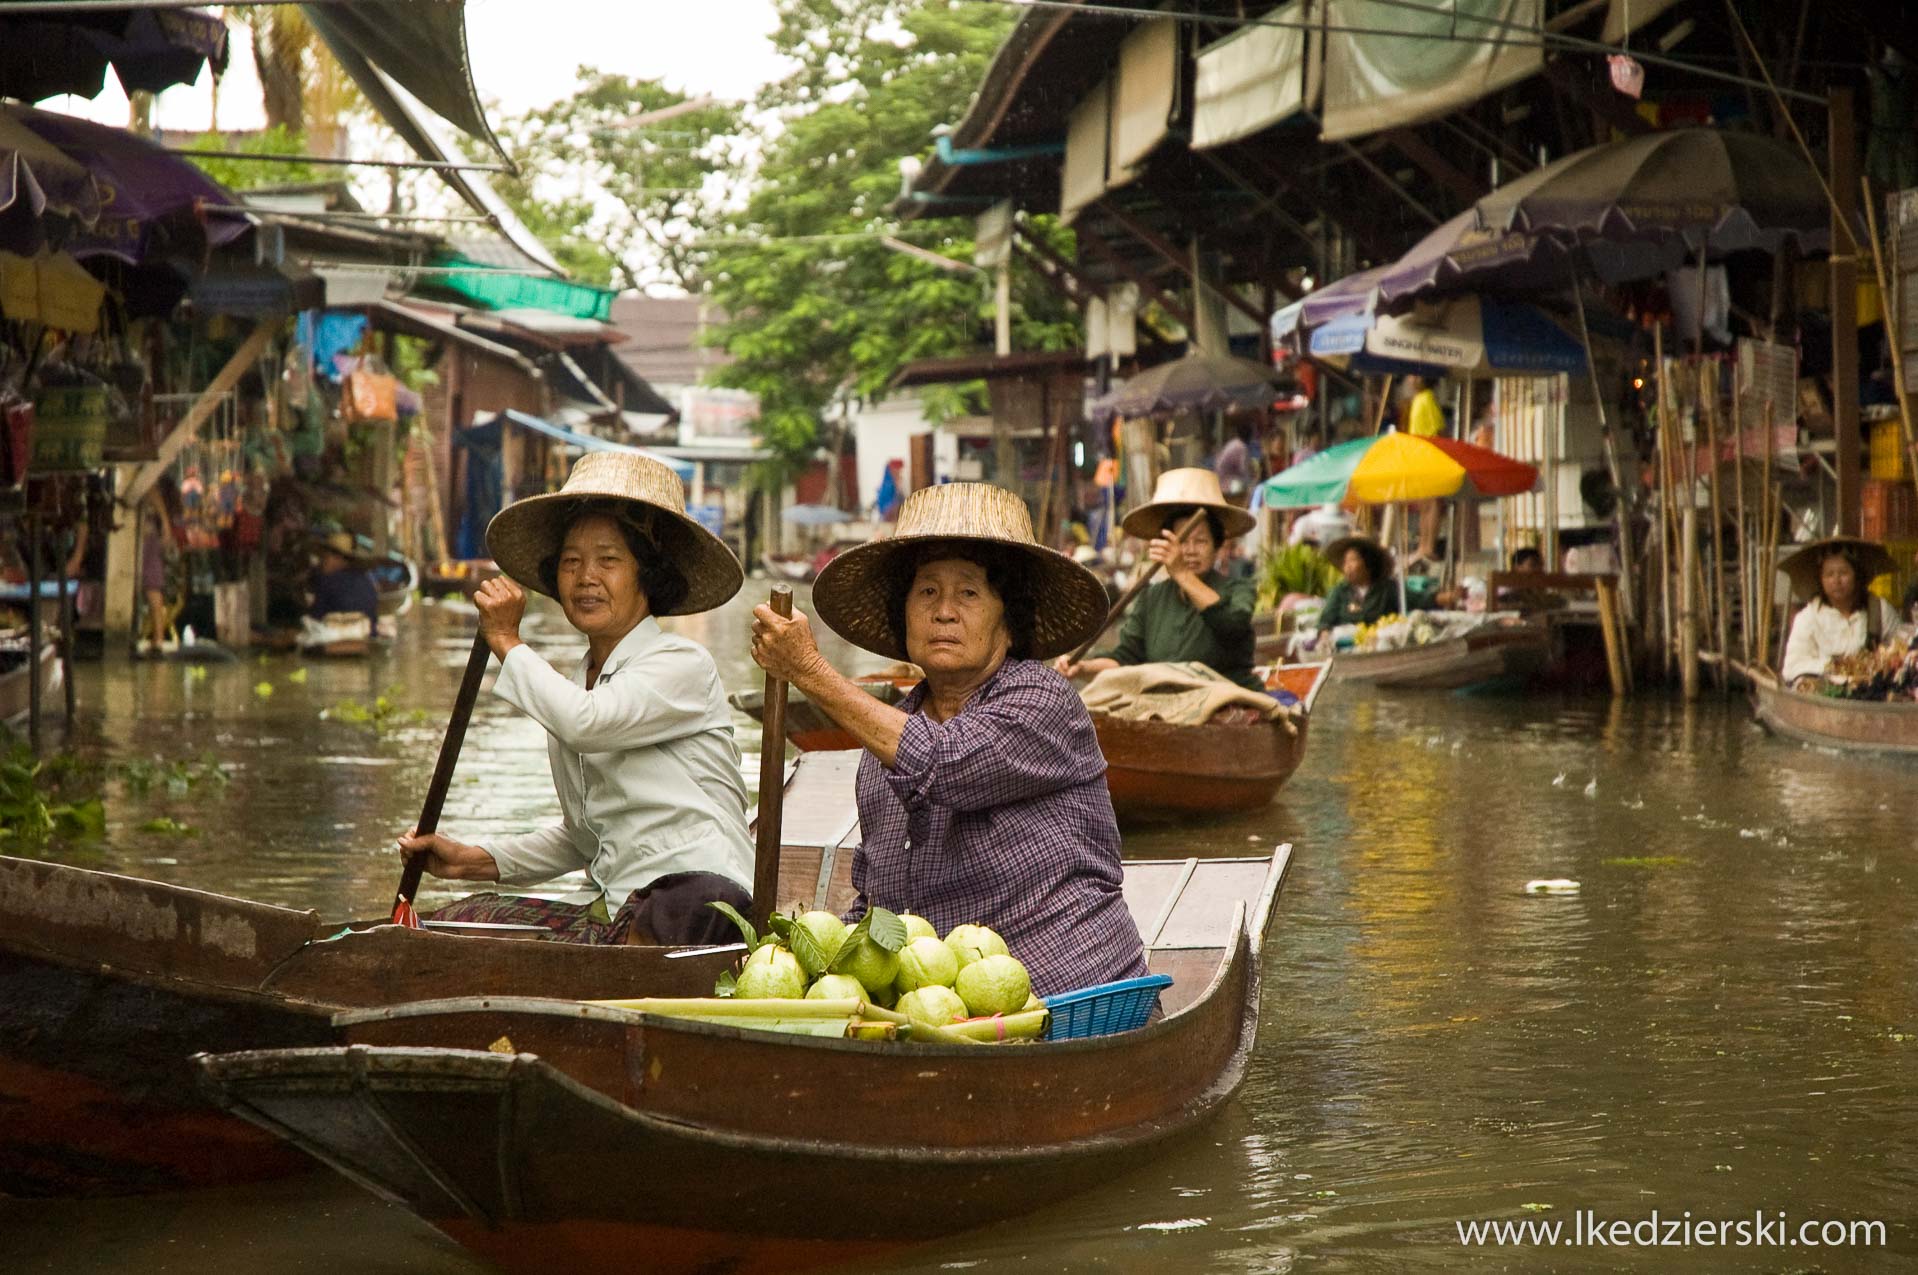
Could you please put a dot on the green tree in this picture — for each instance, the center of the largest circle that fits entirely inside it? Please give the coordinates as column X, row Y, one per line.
column 244, row 174
column 817, row 304
column 617, row 178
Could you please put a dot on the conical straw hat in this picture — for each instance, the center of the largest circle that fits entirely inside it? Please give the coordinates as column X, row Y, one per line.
column 1868, row 558
column 854, row 592
column 527, row 532
column 1378, row 559
column 1177, row 493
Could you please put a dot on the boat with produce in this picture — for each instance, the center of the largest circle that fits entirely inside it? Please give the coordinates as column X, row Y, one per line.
column 1497, row 650
column 1832, row 722
column 1162, row 768
column 552, row 1134
column 16, row 688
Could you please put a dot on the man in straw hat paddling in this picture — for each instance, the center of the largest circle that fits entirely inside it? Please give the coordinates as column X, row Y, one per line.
column 1840, row 617
column 982, row 794
column 1195, row 614
column 639, row 735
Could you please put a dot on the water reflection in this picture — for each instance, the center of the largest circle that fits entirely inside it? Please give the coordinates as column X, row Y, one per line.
column 1722, row 1019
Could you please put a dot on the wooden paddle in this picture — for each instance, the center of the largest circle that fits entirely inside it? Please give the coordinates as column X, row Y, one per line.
column 772, row 779
column 403, row 913
column 1133, row 590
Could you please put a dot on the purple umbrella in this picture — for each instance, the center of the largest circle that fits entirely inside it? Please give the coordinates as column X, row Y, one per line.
column 44, row 55
column 1195, row 383
column 151, row 200
column 37, row 181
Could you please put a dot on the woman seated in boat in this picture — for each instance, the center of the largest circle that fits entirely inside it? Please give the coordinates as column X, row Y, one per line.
column 1197, row 613
column 343, row 586
column 639, row 735
column 1841, row 616
column 1368, row 593
column 982, row 795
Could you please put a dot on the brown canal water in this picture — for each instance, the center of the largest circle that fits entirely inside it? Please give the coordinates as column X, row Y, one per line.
column 1722, row 1022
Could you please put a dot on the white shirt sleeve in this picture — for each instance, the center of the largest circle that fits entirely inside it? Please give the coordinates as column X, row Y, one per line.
column 649, row 700
column 529, row 858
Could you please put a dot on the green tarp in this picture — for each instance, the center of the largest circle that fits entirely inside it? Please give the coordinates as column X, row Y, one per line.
column 499, row 291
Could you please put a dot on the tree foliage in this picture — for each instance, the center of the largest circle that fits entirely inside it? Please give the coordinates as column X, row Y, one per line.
column 620, row 202
column 817, row 304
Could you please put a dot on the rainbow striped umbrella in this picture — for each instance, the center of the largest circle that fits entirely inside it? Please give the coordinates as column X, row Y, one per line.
column 1393, row 467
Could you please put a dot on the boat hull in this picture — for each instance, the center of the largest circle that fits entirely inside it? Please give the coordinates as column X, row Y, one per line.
column 16, row 690
column 1494, row 652
column 1835, row 723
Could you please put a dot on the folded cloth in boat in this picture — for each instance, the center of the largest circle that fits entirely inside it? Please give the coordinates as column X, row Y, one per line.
column 335, row 626
column 1185, row 694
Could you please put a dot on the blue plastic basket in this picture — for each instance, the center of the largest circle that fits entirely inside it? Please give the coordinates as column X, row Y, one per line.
column 1106, row 1009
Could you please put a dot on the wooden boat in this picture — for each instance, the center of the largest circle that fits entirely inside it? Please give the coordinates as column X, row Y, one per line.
column 546, row 1135
column 461, row 576
column 1156, row 768
column 395, row 579
column 1832, row 723
column 108, row 983
column 811, row 731
column 16, row 690
column 1491, row 652
column 792, row 567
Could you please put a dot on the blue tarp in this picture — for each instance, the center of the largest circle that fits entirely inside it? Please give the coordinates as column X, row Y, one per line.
column 483, row 477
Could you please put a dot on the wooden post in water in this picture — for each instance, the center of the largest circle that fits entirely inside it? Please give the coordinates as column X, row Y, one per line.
column 33, row 632
column 1708, row 385
column 772, row 781
column 1744, row 532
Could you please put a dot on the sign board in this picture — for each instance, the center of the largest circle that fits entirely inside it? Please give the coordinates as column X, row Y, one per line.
column 711, row 414
column 69, row 428
column 992, row 236
column 1903, row 265
column 1766, row 384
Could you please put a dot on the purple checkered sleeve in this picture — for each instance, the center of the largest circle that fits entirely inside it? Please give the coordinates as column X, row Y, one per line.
column 1000, row 816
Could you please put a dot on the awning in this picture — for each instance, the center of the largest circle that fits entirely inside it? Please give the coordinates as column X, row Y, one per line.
column 566, row 437
column 1468, row 335
column 47, row 54
column 1449, row 55
column 499, row 290
column 1258, row 77
column 254, row 290
column 1146, row 96
column 50, row 288
column 1082, row 177
column 420, row 47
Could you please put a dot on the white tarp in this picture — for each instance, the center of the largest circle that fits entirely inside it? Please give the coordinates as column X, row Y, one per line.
column 1082, row 177
column 1256, row 78
column 1147, row 95
column 1445, row 55
column 1630, row 15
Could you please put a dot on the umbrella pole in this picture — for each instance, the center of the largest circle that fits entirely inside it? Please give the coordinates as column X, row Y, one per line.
column 1621, row 510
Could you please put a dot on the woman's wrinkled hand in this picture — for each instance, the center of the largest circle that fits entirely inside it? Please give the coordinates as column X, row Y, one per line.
column 502, row 605
column 784, row 646
column 448, row 859
column 1165, row 550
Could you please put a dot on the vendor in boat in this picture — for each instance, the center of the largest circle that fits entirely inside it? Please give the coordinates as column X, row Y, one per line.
column 1841, row 616
column 639, row 735
column 982, row 795
column 342, row 585
column 1367, row 593
column 1197, row 613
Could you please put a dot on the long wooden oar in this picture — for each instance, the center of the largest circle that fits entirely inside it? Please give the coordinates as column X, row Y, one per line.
column 772, row 779
column 403, row 913
column 1133, row 590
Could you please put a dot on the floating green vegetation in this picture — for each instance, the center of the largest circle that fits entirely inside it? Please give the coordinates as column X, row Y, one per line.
column 382, row 715
column 175, row 778
column 167, row 827
column 48, row 802
column 1651, row 862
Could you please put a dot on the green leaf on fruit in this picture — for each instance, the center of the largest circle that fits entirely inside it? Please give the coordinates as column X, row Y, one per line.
column 886, row 929
column 728, row 981
column 813, row 958
column 746, row 930
column 854, row 938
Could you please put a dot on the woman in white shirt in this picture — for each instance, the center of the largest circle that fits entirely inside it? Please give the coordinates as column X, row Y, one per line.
column 639, row 736
column 1842, row 617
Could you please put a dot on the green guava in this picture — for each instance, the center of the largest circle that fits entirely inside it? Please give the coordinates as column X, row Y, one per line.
column 837, row 987
column 935, row 1006
column 771, row 973
column 925, row 963
column 970, row 942
column 993, row 985
column 826, row 930
column 917, row 927
column 873, row 966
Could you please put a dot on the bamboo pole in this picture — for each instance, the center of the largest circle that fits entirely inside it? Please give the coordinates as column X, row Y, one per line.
column 1608, row 627
column 1667, row 608
column 1719, row 609
column 1744, row 533
column 1894, row 324
column 1768, row 567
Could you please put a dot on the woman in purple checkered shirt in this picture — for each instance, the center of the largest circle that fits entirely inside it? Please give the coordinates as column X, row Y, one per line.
column 982, row 795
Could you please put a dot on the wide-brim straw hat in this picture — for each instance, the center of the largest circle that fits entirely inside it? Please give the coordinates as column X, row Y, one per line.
column 1868, row 558
column 1378, row 559
column 529, row 531
column 854, row 592
column 1177, row 493
column 344, row 544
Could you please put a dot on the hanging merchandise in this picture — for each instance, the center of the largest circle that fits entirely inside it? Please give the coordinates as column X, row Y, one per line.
column 370, row 392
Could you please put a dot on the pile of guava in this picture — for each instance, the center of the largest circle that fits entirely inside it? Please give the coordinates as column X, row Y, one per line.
column 893, row 960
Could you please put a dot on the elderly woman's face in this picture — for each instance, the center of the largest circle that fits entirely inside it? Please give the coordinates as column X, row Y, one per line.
column 1838, row 580
column 955, row 622
column 598, row 579
column 1355, row 568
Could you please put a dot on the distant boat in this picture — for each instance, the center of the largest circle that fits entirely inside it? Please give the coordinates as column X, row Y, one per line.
column 1864, row 725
